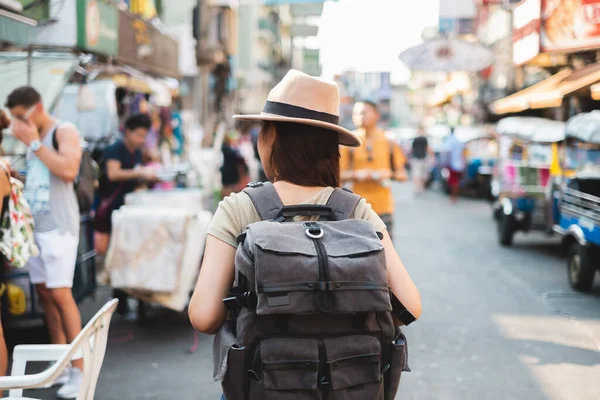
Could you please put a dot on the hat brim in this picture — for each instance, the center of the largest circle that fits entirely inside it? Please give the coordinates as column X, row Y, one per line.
column 346, row 137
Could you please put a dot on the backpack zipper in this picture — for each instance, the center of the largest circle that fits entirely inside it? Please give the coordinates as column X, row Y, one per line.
column 323, row 262
column 323, row 274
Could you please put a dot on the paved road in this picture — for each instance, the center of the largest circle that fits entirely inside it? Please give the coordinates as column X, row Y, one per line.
column 497, row 323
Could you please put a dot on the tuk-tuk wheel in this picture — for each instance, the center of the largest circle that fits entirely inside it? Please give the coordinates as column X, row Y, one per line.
column 580, row 269
column 507, row 225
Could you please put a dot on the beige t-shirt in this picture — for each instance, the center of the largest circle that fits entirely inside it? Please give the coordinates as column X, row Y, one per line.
column 236, row 212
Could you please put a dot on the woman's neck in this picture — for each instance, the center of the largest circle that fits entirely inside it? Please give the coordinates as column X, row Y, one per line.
column 295, row 194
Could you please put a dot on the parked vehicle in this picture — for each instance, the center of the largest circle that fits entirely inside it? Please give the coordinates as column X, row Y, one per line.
column 481, row 155
column 579, row 201
column 524, row 179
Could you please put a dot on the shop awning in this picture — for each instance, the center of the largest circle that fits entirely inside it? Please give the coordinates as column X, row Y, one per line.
column 551, row 91
column 520, row 101
column 15, row 28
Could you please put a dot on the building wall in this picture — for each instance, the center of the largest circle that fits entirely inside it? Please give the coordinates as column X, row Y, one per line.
column 63, row 33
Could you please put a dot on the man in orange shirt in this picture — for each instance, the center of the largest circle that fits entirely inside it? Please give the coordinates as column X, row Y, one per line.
column 368, row 170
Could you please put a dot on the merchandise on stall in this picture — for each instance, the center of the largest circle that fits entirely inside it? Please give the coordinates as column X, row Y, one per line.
column 158, row 241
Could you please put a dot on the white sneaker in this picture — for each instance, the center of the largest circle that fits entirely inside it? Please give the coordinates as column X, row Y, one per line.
column 62, row 378
column 70, row 390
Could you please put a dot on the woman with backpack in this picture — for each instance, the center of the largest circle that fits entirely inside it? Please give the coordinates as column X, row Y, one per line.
column 299, row 147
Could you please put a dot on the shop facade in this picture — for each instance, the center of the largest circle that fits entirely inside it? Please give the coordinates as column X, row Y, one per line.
column 560, row 43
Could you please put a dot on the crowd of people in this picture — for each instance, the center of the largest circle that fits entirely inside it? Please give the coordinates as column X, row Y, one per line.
column 50, row 199
column 303, row 160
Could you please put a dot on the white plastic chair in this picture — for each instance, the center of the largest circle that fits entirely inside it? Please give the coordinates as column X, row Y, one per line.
column 89, row 344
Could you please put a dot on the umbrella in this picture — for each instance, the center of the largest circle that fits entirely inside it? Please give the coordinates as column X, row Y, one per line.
column 585, row 127
column 447, row 55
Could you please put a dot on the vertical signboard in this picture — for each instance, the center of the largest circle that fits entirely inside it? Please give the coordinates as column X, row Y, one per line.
column 98, row 27
column 526, row 31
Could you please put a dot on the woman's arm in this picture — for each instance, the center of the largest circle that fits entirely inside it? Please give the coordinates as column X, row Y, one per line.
column 400, row 282
column 207, row 311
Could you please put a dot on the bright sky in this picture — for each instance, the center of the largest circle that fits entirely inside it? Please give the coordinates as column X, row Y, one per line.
column 369, row 35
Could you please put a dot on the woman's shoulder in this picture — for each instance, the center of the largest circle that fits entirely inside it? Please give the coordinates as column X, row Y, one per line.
column 234, row 214
column 365, row 212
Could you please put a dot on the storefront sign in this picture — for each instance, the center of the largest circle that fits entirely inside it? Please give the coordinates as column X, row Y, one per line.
column 98, row 27
column 526, row 31
column 569, row 26
column 143, row 46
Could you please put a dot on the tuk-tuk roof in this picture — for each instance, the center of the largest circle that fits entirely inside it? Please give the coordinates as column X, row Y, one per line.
column 469, row 133
column 532, row 129
column 585, row 127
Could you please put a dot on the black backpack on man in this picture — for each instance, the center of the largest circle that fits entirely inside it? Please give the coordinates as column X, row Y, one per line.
column 87, row 180
column 311, row 314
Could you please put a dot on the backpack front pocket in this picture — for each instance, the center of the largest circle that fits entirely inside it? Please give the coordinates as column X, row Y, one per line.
column 286, row 369
column 354, row 367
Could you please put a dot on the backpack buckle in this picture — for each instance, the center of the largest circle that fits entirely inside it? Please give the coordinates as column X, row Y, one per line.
column 313, row 230
column 255, row 184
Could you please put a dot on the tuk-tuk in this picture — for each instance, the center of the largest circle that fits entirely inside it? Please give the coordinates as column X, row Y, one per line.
column 579, row 199
column 481, row 153
column 524, row 176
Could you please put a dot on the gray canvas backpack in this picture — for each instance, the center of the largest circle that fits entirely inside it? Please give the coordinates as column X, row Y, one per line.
column 310, row 310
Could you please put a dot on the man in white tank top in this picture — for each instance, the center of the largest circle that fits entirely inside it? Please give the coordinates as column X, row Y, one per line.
column 52, row 167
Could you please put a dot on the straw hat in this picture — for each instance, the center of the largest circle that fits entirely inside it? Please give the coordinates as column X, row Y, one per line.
column 304, row 99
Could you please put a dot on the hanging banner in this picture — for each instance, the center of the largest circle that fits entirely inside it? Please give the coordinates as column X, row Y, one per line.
column 569, row 26
column 144, row 47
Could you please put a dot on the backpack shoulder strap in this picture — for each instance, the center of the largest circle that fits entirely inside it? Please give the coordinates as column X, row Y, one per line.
column 53, row 133
column 265, row 199
column 343, row 203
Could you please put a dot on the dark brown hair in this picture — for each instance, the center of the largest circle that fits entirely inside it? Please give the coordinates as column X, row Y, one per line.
column 304, row 155
column 24, row 96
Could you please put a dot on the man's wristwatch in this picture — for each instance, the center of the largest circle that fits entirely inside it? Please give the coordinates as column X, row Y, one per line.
column 35, row 146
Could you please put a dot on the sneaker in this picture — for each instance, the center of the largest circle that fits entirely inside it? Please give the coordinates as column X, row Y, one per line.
column 62, row 378
column 70, row 390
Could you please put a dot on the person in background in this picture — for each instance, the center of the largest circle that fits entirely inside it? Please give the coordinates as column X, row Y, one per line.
column 419, row 166
column 247, row 151
column 122, row 174
column 53, row 158
column 5, row 190
column 457, row 165
column 370, row 167
column 177, row 126
column 234, row 167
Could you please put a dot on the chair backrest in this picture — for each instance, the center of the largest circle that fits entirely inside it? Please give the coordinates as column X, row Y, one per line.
column 92, row 340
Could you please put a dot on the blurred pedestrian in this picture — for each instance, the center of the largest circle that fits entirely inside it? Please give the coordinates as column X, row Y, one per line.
column 234, row 167
column 247, row 150
column 368, row 169
column 5, row 190
column 456, row 150
column 419, row 162
column 53, row 158
column 122, row 174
